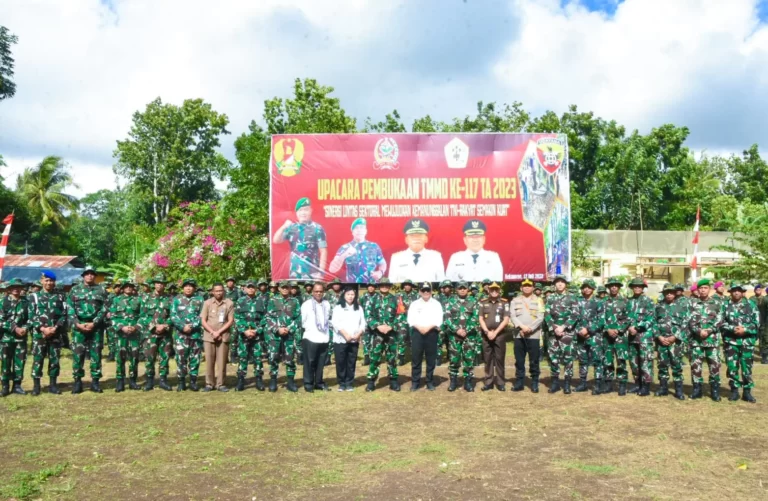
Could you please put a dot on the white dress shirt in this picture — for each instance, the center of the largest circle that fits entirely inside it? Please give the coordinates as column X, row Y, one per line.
column 425, row 313
column 347, row 319
column 312, row 315
column 430, row 267
column 462, row 266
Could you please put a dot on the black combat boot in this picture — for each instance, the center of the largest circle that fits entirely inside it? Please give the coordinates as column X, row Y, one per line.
column 394, row 384
column 714, row 391
column 95, row 386
column 734, row 396
column 582, row 385
column 747, row 396
column 535, row 385
column 469, row 385
column 193, row 383
column 367, row 360
column 120, row 385
column 164, row 383
column 132, row 383
column 53, row 388
column 17, row 389
column 260, row 382
column 6, row 389
column 607, row 387
column 454, row 383
column 597, row 387
column 555, row 387
column 519, row 384
column 149, row 385
column 291, row 385
column 77, row 386
column 635, row 388
column 182, row 384
column 645, row 389
column 697, row 392
column 273, row 384
column 36, row 386
column 371, row 385
column 679, row 390
column 663, row 389
column 622, row 389
column 764, row 359
column 240, row 386
column 439, row 361
column 567, row 386
column 401, row 360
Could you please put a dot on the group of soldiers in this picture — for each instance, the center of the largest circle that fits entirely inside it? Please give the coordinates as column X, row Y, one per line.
column 597, row 326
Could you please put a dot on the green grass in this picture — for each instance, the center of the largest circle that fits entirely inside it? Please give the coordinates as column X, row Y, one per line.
column 598, row 469
column 24, row 485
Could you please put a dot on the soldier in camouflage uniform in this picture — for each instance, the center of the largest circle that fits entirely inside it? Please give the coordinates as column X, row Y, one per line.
column 670, row 338
column 188, row 334
column 281, row 323
column 615, row 338
column 762, row 309
column 309, row 248
column 298, row 334
column 249, row 313
column 368, row 336
column 406, row 296
column 589, row 336
column 117, row 290
column 265, row 292
column 48, row 319
column 444, row 298
column 126, row 311
column 560, row 314
column 704, row 324
column 363, row 259
column 233, row 293
column 739, row 328
column 13, row 337
column 332, row 295
column 641, row 313
column 601, row 292
column 381, row 313
column 460, row 323
column 87, row 311
column 157, row 333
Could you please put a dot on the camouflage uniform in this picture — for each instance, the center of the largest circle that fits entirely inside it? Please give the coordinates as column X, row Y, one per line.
column 640, row 311
column 87, row 304
column 233, row 295
column 671, row 320
column 368, row 334
column 615, row 349
column 762, row 308
column 589, row 349
column 705, row 314
column 265, row 297
column 185, row 310
column 298, row 334
column 442, row 337
column 739, row 348
column 561, row 309
column 47, row 309
column 306, row 240
column 249, row 313
column 13, row 349
column 110, row 332
column 126, row 311
column 461, row 314
column 382, row 310
column 282, row 312
column 360, row 266
column 156, row 310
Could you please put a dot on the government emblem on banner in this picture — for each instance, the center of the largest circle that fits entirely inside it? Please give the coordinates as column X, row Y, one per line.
column 288, row 155
column 385, row 154
column 550, row 151
column 456, row 154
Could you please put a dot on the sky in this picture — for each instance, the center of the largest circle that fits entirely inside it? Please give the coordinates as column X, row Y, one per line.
column 83, row 67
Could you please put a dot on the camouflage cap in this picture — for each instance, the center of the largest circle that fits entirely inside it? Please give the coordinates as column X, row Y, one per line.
column 385, row 281
column 668, row 287
column 127, row 283
column 601, row 288
column 273, row 283
column 303, row 202
column 250, row 282
column 537, row 285
column 158, row 278
column 408, row 281
column 173, row 287
column 486, row 281
column 614, row 281
column 261, row 281
column 474, row 287
column 283, row 283
column 293, row 283
column 588, row 282
column 14, row 282
column 679, row 287
column 230, row 278
column 189, row 281
column 446, row 283
column 637, row 282
column 336, row 281
column 88, row 269
column 560, row 278
column 462, row 285
column 736, row 285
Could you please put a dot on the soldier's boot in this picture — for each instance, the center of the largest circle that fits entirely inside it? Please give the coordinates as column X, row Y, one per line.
column 111, row 357
column 150, row 384
column 679, row 390
column 697, row 393
column 582, row 385
column 764, row 359
column 608, row 387
column 401, row 360
column 17, row 389
column 734, row 396
column 77, row 386
column 394, row 384
column 519, row 384
column 663, row 389
column 469, row 385
column 120, row 387
column 635, row 388
column 454, row 383
column 53, row 387
column 747, row 396
column 164, row 384
column 367, row 360
column 371, row 385
column 240, row 383
column 260, row 382
column 182, row 384
column 291, row 385
column 36, row 386
column 439, row 362
column 555, row 387
column 597, row 387
column 273, row 384
column 567, row 386
column 535, row 385
column 645, row 389
column 6, row 388
column 622, row 389
column 714, row 392
column 132, row 383
column 193, row 383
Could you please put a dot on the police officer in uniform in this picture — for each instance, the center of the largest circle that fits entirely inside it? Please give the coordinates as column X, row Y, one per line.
column 527, row 314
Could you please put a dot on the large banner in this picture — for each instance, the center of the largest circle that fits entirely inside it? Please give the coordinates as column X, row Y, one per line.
column 425, row 207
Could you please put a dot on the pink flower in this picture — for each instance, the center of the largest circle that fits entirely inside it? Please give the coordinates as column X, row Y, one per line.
column 183, row 205
column 218, row 249
column 253, row 227
column 209, row 240
column 196, row 260
column 232, row 221
column 196, row 230
column 160, row 260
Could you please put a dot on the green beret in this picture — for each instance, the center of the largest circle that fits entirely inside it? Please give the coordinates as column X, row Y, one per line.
column 303, row 202
column 14, row 282
column 704, row 281
column 358, row 222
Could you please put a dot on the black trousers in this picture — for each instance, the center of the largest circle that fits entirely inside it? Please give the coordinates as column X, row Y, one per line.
column 532, row 348
column 313, row 358
column 421, row 345
column 346, row 359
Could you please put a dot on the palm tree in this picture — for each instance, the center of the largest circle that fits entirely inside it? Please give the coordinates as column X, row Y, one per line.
column 43, row 188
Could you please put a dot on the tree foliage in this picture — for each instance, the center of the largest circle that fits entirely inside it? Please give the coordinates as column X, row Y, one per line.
column 42, row 188
column 7, row 85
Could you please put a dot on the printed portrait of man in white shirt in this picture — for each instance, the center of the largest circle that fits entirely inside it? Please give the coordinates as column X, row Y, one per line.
column 416, row 263
column 475, row 263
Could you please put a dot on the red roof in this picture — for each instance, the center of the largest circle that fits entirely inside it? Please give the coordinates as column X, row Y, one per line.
column 38, row 261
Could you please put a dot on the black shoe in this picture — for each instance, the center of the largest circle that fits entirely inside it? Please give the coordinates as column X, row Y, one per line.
column 394, row 385
column 645, row 389
column 322, row 387
column 207, row 389
column 132, row 384
column 309, row 388
column 120, row 386
column 6, row 389
column 149, row 385
column 53, row 388
column 635, row 388
column 164, row 384
column 193, row 383
column 597, row 387
column 519, row 384
column 430, row 386
column 182, row 384
column 367, row 360
column 401, row 360
column 697, row 392
column 663, row 389
column 622, row 389
column 747, row 396
column 714, row 392
column 764, row 360
column 535, row 385
column 679, row 391
column 486, row 387
column 273, row 384
column 36, row 386
column 259, row 383
column 222, row 389
column 608, row 387
column 439, row 362
column 17, row 389
column 734, row 396
column 240, row 383
column 454, row 383
column 291, row 385
column 582, row 386
column 567, row 386
column 555, row 386
column 469, row 386
column 77, row 386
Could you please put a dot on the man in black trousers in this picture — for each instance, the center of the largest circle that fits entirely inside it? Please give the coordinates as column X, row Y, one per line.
column 425, row 316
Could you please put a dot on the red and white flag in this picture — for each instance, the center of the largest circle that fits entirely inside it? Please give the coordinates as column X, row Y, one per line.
column 4, row 244
column 695, row 242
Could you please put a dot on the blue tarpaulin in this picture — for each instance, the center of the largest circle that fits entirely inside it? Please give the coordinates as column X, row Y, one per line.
column 64, row 276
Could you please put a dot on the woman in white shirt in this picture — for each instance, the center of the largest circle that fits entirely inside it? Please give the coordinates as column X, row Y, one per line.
column 315, row 318
column 348, row 328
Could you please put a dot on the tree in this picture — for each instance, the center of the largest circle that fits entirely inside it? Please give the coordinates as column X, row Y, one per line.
column 746, row 176
column 391, row 123
column 170, row 153
column 750, row 243
column 7, row 85
column 42, row 187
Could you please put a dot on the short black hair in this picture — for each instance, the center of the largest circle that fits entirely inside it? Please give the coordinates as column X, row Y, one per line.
column 215, row 284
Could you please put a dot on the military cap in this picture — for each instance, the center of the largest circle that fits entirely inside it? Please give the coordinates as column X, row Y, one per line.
column 588, row 282
column 719, row 283
column 231, row 278
column 614, row 281
column 273, row 284
column 408, row 281
column 336, row 281
column 559, row 277
column 158, row 278
column 486, row 281
column 494, row 285
column 549, row 288
column 189, row 281
column 668, row 287
column 260, row 281
column 601, row 288
column 283, row 283
column 37, row 283
column 173, row 287
column 637, row 282
column 758, row 286
column 525, row 282
column 679, row 287
column 303, row 202
column 736, row 285
column 251, row 283
column 446, row 283
column 694, row 287
column 88, row 269
column 14, row 282
column 474, row 287
column 385, row 281
column 128, row 282
column 703, row 281
column 474, row 227
column 462, row 285
column 358, row 222
column 426, row 286
column 49, row 275
column 293, row 283
column 416, row 225
column 537, row 285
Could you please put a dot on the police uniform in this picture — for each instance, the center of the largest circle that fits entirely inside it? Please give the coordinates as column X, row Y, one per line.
column 423, row 266
column 468, row 265
column 529, row 312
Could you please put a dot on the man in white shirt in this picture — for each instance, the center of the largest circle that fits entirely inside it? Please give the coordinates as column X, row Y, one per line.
column 315, row 319
column 475, row 263
column 416, row 263
column 425, row 316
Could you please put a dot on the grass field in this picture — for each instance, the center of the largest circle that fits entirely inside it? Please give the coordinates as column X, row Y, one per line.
column 381, row 445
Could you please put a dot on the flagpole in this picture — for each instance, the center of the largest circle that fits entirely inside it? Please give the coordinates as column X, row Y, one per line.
column 695, row 259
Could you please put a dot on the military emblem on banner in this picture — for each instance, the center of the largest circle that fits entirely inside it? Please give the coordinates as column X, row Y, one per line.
column 288, row 155
column 385, row 154
column 456, row 154
column 550, row 152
